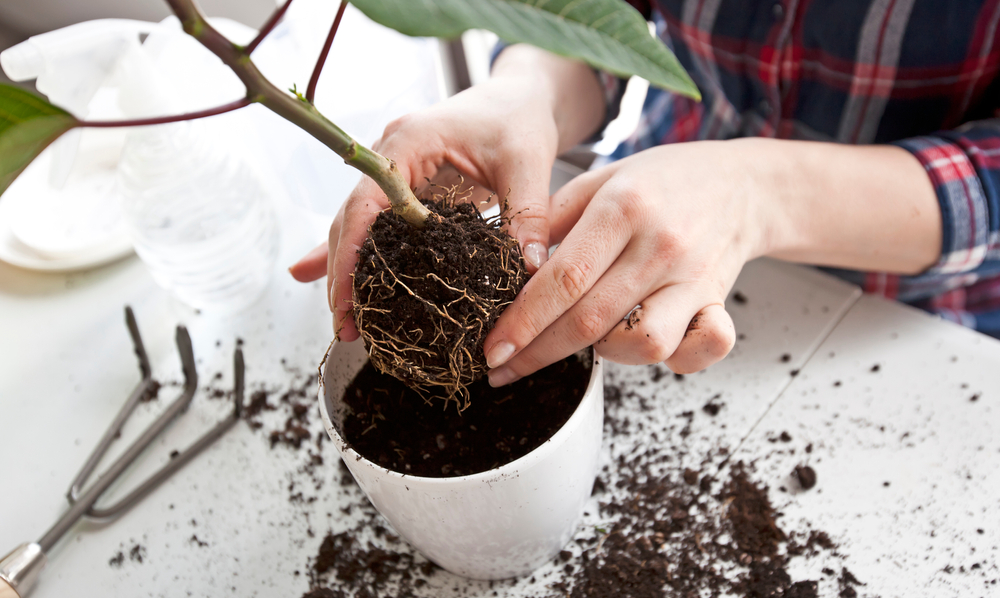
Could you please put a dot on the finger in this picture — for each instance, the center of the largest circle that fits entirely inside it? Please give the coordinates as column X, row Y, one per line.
column 568, row 203
column 312, row 266
column 419, row 154
column 653, row 331
column 588, row 251
column 360, row 210
column 522, row 178
column 585, row 323
column 709, row 338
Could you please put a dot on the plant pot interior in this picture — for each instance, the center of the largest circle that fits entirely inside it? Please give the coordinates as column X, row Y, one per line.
column 396, row 428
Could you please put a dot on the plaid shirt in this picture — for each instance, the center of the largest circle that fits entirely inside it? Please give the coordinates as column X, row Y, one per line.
column 920, row 74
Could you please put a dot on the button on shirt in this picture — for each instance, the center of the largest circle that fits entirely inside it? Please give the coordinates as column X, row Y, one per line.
column 920, row 74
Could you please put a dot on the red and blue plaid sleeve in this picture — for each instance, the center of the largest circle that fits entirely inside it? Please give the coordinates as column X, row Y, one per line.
column 964, row 285
column 964, row 166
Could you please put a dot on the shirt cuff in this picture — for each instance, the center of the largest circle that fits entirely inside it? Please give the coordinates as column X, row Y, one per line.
column 965, row 238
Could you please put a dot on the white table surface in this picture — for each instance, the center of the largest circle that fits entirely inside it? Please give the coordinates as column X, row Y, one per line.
column 66, row 366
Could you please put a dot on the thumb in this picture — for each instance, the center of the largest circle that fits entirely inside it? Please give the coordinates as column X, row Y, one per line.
column 311, row 266
column 524, row 181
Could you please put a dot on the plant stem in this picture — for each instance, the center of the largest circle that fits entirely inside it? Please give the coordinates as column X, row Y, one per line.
column 382, row 170
column 311, row 89
column 159, row 120
column 268, row 26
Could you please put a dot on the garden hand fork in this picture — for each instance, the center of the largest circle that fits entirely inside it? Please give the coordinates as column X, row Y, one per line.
column 19, row 570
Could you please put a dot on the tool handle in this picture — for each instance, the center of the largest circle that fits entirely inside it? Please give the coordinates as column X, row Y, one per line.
column 19, row 570
column 6, row 591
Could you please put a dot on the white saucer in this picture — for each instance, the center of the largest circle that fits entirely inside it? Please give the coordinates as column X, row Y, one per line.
column 76, row 227
column 18, row 254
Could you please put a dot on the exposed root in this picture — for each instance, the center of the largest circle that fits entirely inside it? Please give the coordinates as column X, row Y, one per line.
column 426, row 325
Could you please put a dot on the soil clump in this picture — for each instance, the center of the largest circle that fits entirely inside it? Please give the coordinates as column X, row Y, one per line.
column 393, row 426
column 805, row 475
column 424, row 299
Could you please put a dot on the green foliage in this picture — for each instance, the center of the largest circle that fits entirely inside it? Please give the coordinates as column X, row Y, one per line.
column 294, row 90
column 608, row 34
column 28, row 124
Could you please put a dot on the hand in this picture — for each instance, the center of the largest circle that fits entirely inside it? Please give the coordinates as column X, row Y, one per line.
column 668, row 229
column 502, row 135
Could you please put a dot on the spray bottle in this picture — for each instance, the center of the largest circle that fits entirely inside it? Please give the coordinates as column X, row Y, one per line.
column 199, row 217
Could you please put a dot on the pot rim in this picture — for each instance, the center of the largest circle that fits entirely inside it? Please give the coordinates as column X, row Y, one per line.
column 539, row 452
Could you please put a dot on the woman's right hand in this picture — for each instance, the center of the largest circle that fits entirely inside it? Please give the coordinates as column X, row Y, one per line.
column 502, row 136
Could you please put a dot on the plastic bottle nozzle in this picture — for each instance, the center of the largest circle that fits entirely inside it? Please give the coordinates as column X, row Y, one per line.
column 22, row 62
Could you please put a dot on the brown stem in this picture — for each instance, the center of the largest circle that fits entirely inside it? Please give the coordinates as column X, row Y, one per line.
column 303, row 114
column 268, row 26
column 314, row 79
column 159, row 120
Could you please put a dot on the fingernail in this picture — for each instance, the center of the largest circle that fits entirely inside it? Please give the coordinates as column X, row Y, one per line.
column 499, row 354
column 536, row 254
column 502, row 377
column 333, row 293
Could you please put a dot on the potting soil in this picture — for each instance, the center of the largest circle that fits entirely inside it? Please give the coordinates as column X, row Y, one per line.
column 399, row 429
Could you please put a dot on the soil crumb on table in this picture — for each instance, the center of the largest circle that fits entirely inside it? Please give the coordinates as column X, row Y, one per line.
column 806, row 476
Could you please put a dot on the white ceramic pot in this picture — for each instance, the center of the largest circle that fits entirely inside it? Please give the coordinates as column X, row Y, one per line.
column 500, row 523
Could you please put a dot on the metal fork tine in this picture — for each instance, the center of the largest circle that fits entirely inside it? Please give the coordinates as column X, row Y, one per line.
column 84, row 503
column 238, row 382
column 140, row 348
column 187, row 361
column 116, row 426
column 184, row 457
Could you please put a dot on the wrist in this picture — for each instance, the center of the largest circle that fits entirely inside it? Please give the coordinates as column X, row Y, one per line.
column 856, row 207
column 569, row 90
column 764, row 181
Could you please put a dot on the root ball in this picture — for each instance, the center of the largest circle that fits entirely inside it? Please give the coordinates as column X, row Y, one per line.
column 424, row 299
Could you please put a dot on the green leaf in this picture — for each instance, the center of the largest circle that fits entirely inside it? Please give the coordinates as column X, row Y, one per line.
column 607, row 34
column 28, row 124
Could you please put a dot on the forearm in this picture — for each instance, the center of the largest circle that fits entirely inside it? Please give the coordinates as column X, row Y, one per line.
column 570, row 89
column 857, row 207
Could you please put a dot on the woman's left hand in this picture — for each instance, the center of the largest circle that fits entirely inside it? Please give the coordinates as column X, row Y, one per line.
column 668, row 230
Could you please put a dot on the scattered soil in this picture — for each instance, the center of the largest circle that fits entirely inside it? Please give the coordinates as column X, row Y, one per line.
column 424, row 299
column 258, row 403
column 395, row 427
column 665, row 531
column 198, row 542
column 665, row 525
column 693, row 326
column 635, row 316
column 152, row 392
column 847, row 581
column 713, row 406
column 346, row 565
column 805, row 475
column 754, row 529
